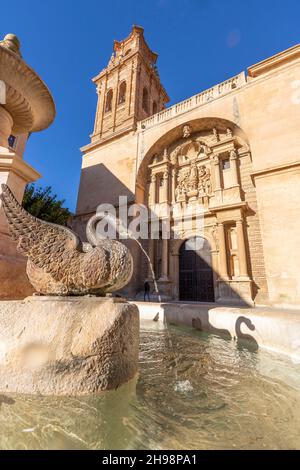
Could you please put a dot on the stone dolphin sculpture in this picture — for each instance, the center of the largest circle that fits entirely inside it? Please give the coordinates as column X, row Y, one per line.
column 59, row 263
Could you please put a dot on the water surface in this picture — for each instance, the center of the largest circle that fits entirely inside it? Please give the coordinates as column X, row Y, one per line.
column 194, row 391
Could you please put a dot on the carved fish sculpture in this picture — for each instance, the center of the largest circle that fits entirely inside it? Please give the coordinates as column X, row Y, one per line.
column 59, row 263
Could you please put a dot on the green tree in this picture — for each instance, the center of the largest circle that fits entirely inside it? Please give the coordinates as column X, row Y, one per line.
column 41, row 203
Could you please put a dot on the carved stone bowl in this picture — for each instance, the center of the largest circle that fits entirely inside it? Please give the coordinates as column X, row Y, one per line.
column 28, row 100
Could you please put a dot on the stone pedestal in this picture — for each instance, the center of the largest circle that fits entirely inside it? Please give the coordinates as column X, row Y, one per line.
column 14, row 283
column 67, row 346
column 16, row 173
column 26, row 106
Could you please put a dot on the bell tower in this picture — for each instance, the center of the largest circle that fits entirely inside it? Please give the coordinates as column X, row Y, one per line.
column 129, row 88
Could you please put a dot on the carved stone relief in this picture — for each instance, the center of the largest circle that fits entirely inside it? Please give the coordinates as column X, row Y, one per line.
column 190, row 161
column 192, row 182
column 186, row 131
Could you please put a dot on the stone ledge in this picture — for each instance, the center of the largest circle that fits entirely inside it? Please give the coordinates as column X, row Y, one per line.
column 271, row 328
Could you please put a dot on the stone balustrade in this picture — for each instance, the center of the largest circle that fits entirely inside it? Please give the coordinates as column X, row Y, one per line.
column 194, row 101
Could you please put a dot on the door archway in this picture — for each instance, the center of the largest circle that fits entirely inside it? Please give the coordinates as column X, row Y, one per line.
column 195, row 271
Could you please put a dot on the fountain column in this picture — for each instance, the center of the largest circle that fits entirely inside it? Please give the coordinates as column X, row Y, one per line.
column 6, row 124
column 26, row 106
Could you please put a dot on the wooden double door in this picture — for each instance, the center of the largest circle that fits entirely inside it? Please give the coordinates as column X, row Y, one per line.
column 195, row 272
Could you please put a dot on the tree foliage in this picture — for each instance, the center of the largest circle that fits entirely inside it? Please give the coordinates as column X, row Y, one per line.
column 41, row 203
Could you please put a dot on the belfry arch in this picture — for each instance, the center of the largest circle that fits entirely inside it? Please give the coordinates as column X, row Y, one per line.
column 206, row 163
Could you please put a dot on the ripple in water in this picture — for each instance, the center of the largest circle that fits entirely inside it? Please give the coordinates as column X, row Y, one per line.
column 194, row 391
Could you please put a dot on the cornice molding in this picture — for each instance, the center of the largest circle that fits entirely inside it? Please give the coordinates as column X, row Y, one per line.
column 277, row 60
column 285, row 167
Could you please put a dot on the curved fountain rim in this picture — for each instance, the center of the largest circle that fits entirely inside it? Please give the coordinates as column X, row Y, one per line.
column 50, row 110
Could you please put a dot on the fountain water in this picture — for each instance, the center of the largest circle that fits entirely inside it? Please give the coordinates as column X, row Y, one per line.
column 93, row 237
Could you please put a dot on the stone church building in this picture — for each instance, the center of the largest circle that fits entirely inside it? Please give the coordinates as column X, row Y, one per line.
column 235, row 148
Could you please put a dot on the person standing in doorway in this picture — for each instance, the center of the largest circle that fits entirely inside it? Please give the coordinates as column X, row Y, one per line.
column 146, row 291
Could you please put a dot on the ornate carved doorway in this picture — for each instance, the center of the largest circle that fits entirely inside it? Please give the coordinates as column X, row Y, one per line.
column 195, row 272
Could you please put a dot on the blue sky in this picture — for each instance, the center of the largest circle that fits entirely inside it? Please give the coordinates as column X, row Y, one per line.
column 199, row 42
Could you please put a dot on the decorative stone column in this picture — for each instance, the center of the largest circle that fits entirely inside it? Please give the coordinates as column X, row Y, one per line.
column 152, row 190
column 233, row 161
column 241, row 249
column 217, row 173
column 174, row 176
column 166, row 186
column 176, row 275
column 165, row 259
column 223, row 267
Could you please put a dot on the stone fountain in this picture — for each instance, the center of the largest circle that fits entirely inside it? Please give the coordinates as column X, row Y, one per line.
column 74, row 337
column 26, row 106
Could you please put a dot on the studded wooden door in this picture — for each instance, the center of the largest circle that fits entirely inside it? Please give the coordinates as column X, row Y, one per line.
column 195, row 272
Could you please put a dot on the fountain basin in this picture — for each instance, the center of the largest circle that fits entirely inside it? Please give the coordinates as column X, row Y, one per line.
column 194, row 391
column 274, row 329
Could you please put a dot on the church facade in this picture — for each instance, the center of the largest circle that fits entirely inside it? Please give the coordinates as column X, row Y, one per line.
column 232, row 149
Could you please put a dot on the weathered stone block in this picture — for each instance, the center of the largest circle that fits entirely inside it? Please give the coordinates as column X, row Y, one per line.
column 67, row 346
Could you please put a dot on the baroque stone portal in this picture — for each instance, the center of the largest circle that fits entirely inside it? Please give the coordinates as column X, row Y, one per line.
column 210, row 167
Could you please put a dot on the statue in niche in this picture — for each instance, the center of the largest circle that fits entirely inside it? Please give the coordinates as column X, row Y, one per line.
column 186, row 131
column 180, row 192
column 216, row 159
column 215, row 236
column 229, row 132
column 193, row 177
column 181, row 189
column 201, row 189
column 233, row 155
column 182, row 158
column 207, row 182
column 201, row 176
column 202, row 151
column 216, row 134
column 204, row 181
